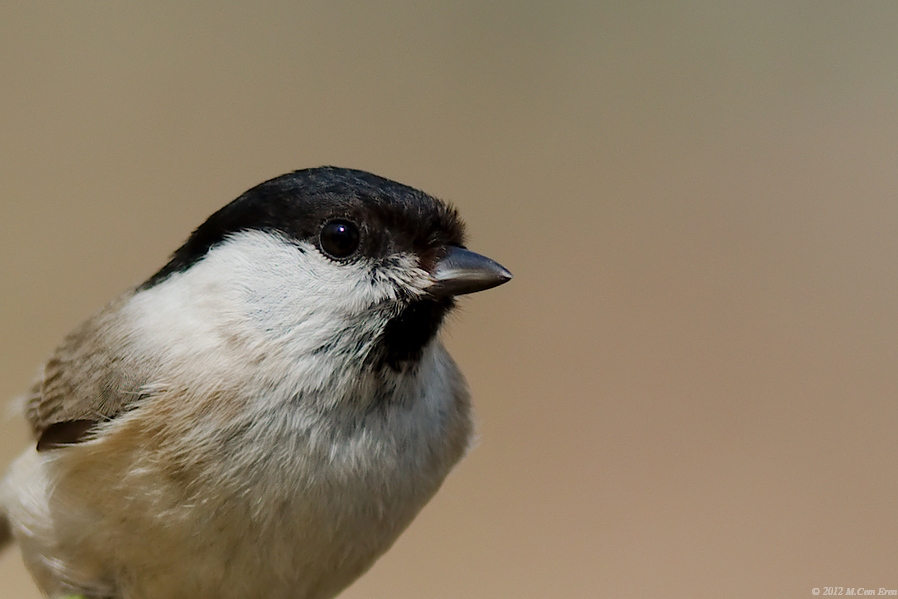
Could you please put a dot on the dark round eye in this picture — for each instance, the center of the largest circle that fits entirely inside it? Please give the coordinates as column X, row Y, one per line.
column 339, row 238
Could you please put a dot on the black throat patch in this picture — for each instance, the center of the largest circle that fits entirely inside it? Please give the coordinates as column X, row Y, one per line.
column 406, row 334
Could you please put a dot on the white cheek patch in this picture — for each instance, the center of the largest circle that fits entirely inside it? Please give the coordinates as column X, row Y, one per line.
column 281, row 286
column 401, row 271
column 275, row 294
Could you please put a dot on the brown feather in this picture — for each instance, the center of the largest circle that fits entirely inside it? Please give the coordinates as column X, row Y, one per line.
column 88, row 379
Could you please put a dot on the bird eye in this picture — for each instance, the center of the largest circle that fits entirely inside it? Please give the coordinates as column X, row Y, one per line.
column 339, row 238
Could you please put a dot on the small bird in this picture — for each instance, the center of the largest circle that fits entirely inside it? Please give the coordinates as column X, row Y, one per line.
column 265, row 414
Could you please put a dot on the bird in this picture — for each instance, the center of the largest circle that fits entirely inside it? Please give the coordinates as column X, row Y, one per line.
column 264, row 415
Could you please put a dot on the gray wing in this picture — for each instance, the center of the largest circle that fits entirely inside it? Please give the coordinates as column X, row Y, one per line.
column 89, row 379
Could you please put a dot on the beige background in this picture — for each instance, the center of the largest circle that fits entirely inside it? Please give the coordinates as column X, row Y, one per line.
column 689, row 389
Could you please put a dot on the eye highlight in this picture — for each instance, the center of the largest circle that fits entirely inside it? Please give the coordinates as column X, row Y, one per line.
column 339, row 238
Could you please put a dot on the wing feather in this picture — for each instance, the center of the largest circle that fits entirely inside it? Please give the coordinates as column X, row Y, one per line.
column 90, row 378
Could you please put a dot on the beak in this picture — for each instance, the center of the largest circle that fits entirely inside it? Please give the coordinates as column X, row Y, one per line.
column 462, row 271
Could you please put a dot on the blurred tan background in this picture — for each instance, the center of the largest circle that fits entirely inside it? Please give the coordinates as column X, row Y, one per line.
column 689, row 389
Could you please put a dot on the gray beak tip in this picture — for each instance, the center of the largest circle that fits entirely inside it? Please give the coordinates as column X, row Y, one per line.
column 463, row 271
